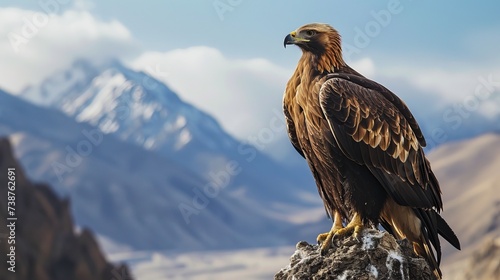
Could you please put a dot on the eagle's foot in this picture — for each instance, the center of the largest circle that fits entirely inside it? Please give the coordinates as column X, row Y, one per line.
column 355, row 227
column 326, row 239
column 355, row 230
column 323, row 236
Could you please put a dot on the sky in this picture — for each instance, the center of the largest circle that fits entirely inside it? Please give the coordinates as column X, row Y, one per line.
column 227, row 56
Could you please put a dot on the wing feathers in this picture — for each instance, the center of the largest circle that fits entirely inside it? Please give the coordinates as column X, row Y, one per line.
column 389, row 96
column 372, row 130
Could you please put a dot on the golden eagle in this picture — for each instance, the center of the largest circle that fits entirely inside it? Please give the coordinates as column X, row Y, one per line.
column 364, row 148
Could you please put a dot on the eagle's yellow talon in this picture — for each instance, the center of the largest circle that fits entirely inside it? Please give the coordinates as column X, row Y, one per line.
column 322, row 237
column 325, row 239
column 354, row 227
column 357, row 232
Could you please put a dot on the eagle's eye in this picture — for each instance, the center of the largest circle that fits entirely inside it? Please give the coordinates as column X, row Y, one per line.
column 310, row 33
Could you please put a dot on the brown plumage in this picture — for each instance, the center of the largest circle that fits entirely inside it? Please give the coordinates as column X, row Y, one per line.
column 363, row 146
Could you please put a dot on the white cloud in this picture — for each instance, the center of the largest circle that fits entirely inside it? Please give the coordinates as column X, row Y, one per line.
column 453, row 87
column 449, row 83
column 365, row 66
column 33, row 44
column 244, row 95
column 83, row 5
column 458, row 78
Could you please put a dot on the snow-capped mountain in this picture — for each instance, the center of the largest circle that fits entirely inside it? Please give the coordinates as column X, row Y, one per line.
column 52, row 90
column 135, row 107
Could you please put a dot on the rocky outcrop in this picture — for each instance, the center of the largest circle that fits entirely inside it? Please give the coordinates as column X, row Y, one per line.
column 376, row 256
column 40, row 242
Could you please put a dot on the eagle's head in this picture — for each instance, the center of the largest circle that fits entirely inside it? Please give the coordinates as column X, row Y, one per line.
column 313, row 37
column 319, row 39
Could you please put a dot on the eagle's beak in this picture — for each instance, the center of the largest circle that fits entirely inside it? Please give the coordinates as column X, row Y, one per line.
column 288, row 40
column 292, row 39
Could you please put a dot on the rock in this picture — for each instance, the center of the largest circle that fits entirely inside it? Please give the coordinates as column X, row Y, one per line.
column 377, row 256
column 47, row 247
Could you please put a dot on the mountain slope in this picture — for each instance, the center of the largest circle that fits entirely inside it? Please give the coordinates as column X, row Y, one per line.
column 469, row 177
column 480, row 264
column 46, row 245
